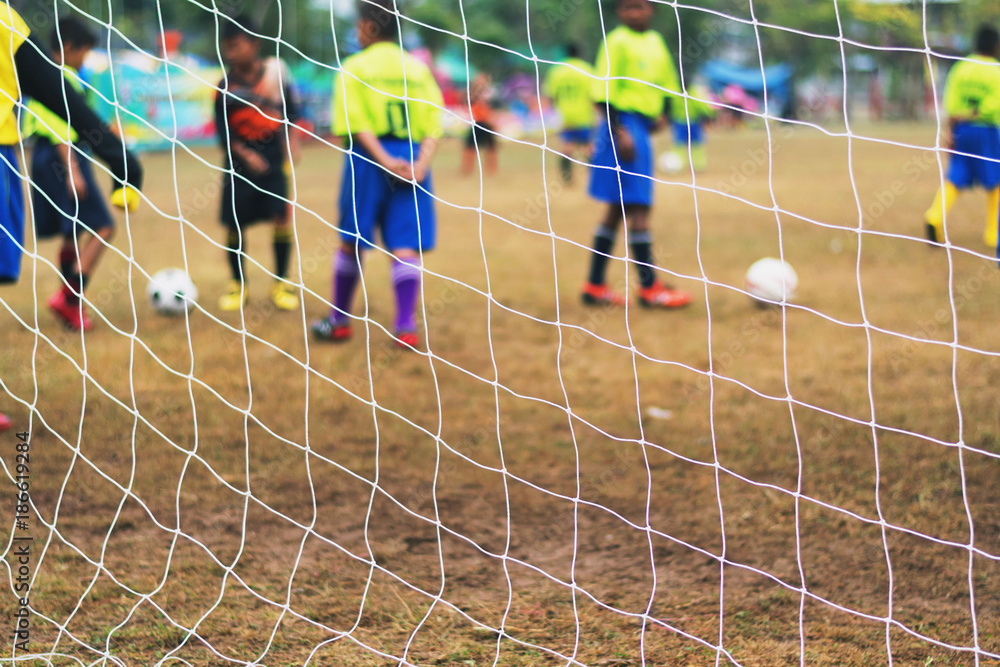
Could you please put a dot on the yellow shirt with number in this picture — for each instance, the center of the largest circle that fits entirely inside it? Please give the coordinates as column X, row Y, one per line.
column 388, row 92
column 13, row 32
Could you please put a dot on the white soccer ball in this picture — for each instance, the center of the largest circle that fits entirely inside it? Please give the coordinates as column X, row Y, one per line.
column 670, row 162
column 771, row 280
column 171, row 292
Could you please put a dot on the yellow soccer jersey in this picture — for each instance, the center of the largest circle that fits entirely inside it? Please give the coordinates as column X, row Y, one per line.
column 388, row 92
column 569, row 85
column 972, row 90
column 13, row 32
column 43, row 122
column 635, row 72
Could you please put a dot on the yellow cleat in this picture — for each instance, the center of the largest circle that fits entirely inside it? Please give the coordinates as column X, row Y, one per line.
column 284, row 296
column 234, row 298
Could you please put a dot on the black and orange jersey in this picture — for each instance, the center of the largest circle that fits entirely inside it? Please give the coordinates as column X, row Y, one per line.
column 255, row 113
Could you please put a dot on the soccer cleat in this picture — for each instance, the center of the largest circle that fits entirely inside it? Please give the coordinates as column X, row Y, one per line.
column 934, row 234
column 72, row 317
column 601, row 295
column 660, row 296
column 234, row 298
column 284, row 297
column 330, row 332
column 5, row 422
column 407, row 340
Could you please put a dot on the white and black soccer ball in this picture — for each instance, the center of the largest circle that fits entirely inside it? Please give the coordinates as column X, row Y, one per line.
column 171, row 292
column 771, row 280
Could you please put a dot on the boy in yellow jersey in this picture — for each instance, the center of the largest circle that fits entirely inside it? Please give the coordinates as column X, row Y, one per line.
column 635, row 81
column 388, row 107
column 66, row 200
column 972, row 101
column 253, row 106
column 27, row 69
column 689, row 117
column 568, row 85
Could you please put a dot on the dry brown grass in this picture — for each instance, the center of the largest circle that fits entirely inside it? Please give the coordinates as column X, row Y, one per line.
column 352, row 505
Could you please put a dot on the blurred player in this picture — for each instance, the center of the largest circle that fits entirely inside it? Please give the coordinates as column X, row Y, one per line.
column 482, row 134
column 388, row 106
column 27, row 69
column 972, row 102
column 689, row 118
column 252, row 108
column 634, row 70
column 66, row 200
column 568, row 85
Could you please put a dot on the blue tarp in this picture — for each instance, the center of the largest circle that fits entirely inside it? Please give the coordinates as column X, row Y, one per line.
column 750, row 79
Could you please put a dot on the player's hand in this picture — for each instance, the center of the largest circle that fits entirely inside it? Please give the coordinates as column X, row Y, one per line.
column 255, row 163
column 624, row 145
column 420, row 170
column 400, row 168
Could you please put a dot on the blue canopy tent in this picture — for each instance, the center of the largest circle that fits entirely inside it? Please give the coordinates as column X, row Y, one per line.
column 774, row 82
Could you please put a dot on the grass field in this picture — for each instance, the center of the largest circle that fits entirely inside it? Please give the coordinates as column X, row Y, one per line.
column 225, row 491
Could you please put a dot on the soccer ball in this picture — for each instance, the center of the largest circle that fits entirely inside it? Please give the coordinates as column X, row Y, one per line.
column 670, row 162
column 771, row 280
column 171, row 292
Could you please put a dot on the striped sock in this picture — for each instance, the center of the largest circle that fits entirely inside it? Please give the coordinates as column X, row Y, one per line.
column 406, row 281
column 346, row 272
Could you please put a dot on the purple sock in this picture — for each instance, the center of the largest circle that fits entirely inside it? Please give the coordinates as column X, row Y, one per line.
column 346, row 271
column 406, row 281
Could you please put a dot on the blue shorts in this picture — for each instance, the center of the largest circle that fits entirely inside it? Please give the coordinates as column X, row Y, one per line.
column 684, row 132
column 981, row 141
column 11, row 216
column 634, row 184
column 56, row 211
column 371, row 199
column 576, row 135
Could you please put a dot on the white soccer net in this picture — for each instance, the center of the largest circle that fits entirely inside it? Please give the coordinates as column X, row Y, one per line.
column 542, row 482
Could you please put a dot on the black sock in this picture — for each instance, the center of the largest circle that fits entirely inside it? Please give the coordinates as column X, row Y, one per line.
column 642, row 254
column 282, row 251
column 76, row 283
column 604, row 242
column 234, row 255
column 566, row 166
column 67, row 260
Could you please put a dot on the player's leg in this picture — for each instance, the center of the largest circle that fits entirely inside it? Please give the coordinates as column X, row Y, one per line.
column 469, row 152
column 362, row 192
column 86, row 241
column 566, row 162
column 595, row 291
column 992, row 217
column 283, row 294
column 934, row 216
column 652, row 293
column 235, row 296
column 488, row 139
column 406, row 275
column 346, row 274
column 409, row 230
column 77, row 261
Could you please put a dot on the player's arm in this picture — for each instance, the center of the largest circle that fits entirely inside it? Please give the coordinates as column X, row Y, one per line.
column 396, row 166
column 41, row 79
column 230, row 143
column 293, row 114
